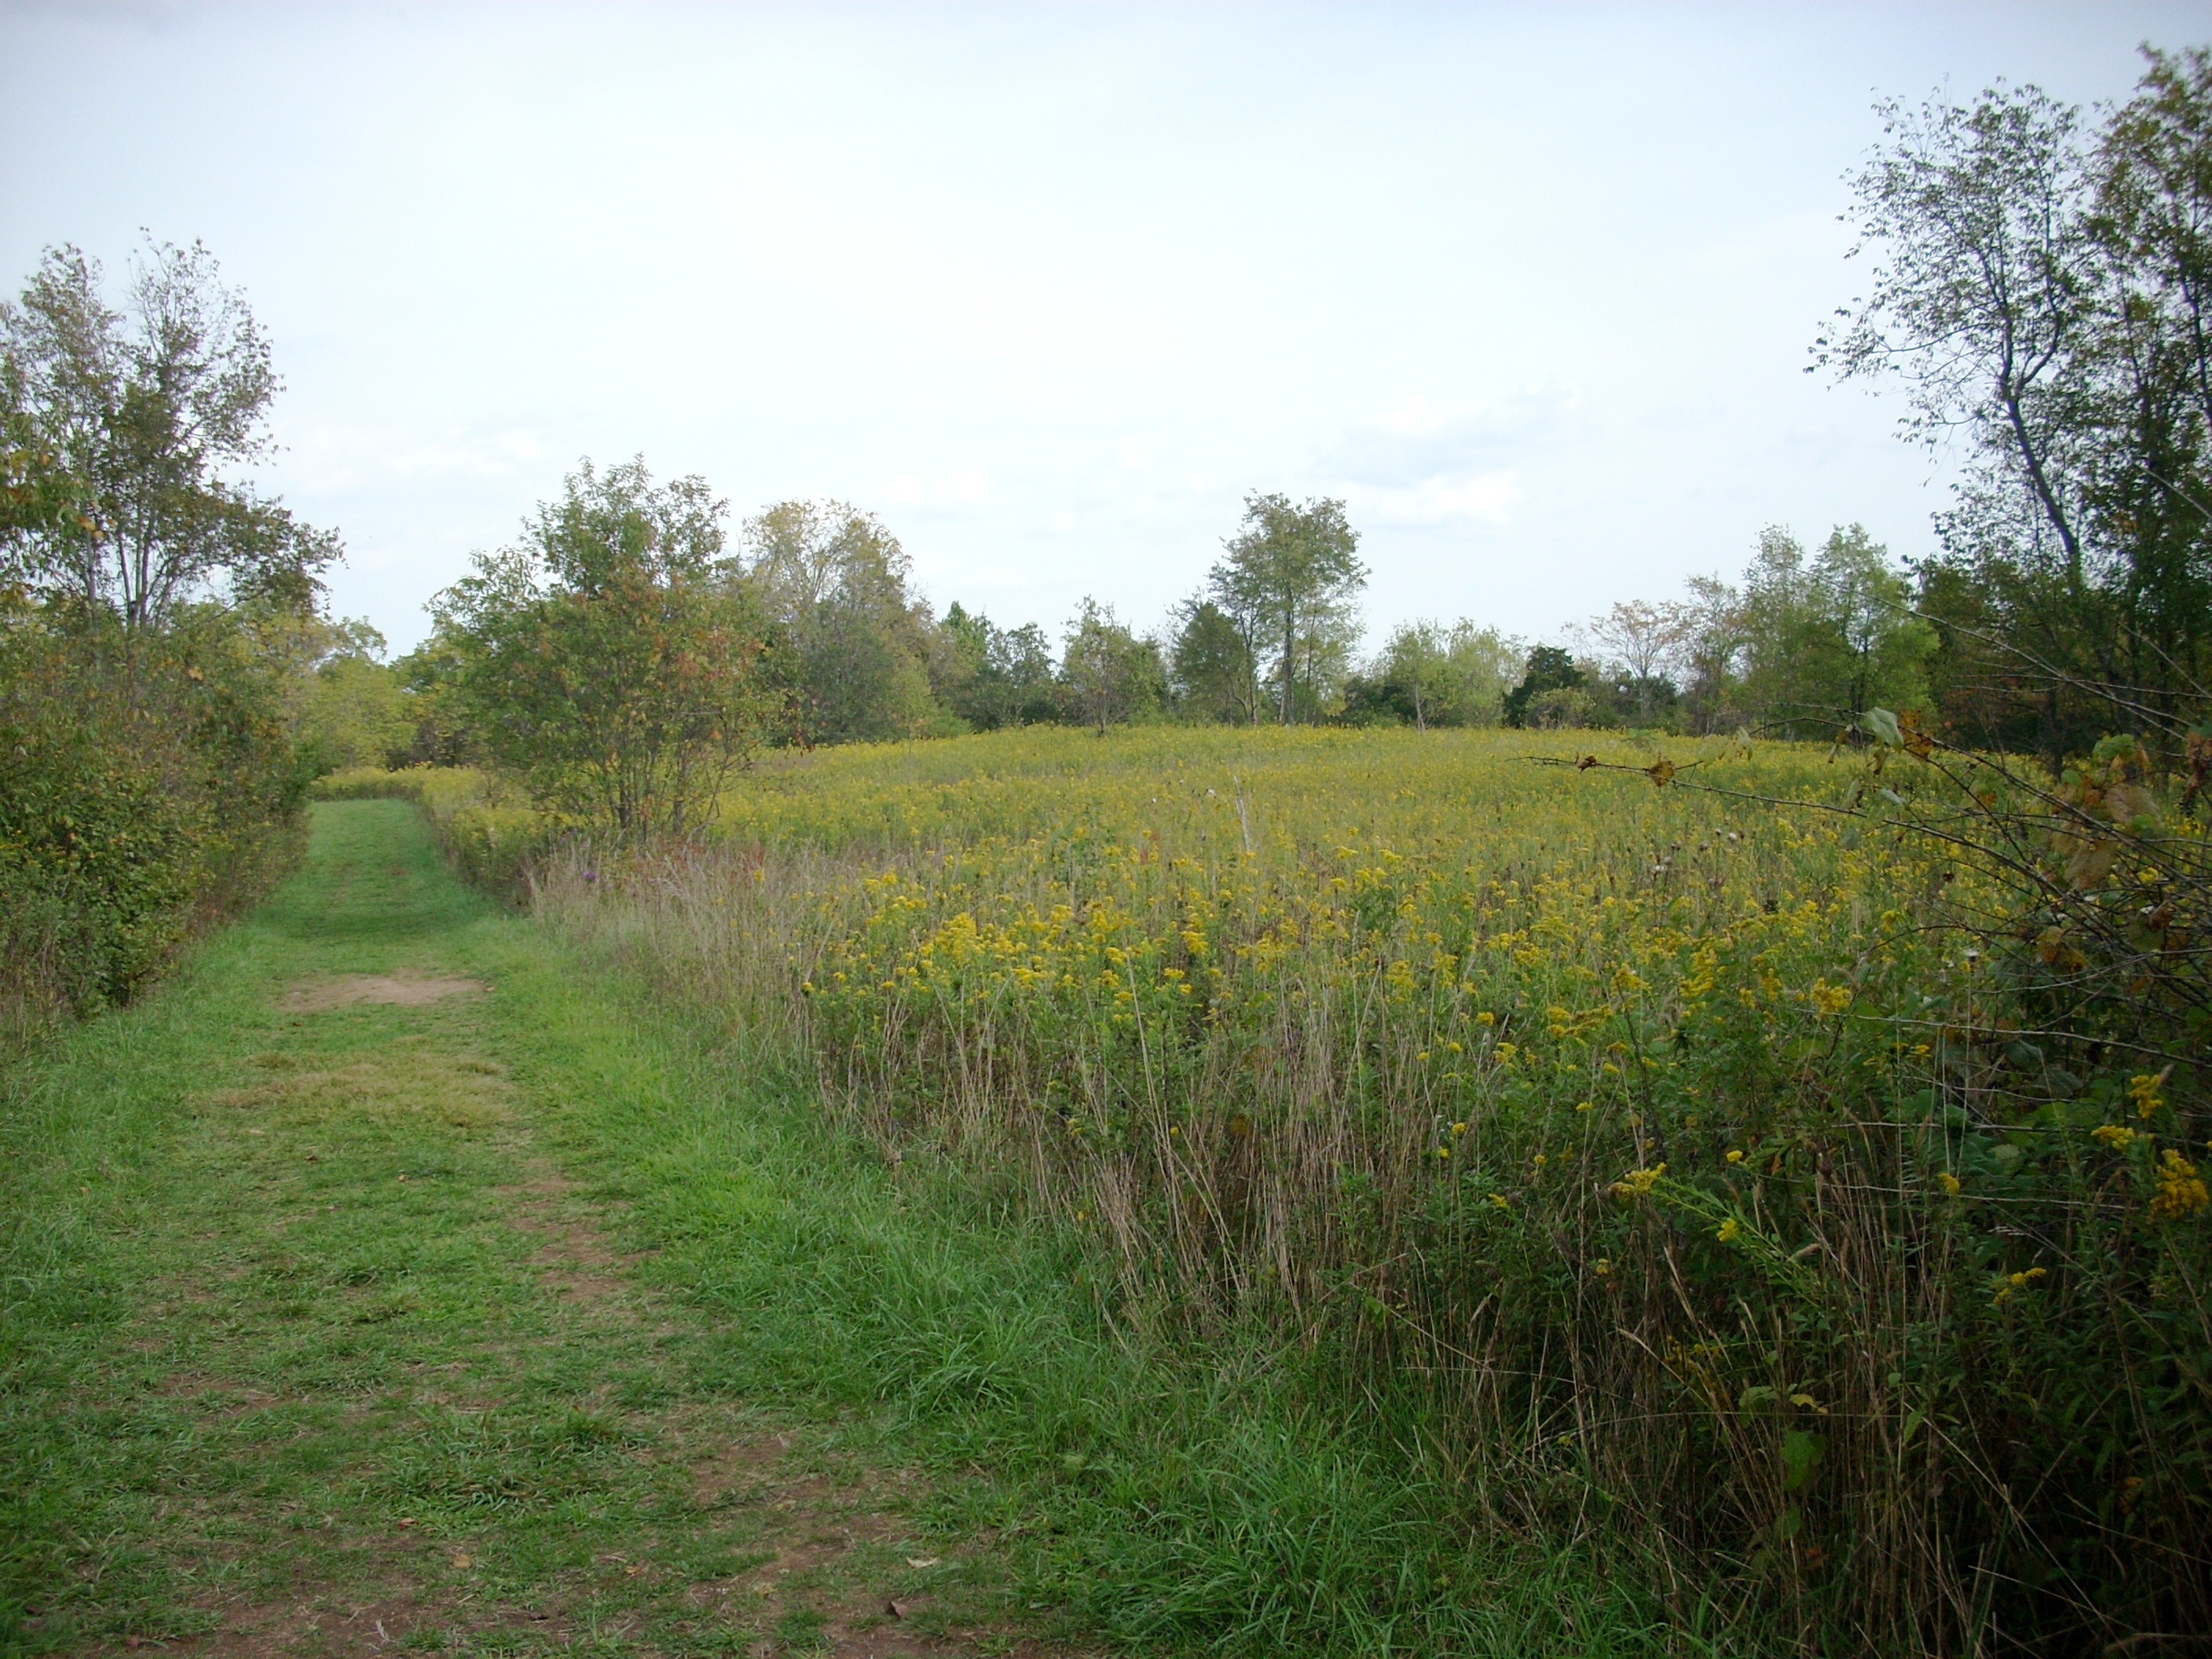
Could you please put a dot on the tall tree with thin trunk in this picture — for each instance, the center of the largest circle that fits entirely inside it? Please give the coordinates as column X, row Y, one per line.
column 1290, row 576
column 2041, row 291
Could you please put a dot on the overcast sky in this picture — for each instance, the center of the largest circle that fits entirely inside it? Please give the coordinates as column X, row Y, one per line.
column 1051, row 288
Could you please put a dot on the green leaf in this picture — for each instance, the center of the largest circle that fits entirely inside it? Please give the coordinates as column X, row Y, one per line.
column 1880, row 725
column 1801, row 1452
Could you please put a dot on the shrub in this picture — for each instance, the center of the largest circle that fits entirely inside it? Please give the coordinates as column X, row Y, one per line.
column 147, row 784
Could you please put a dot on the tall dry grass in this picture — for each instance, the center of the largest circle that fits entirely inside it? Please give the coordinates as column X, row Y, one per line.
column 1648, row 1168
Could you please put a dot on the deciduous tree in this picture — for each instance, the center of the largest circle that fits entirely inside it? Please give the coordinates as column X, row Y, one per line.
column 1111, row 675
column 1646, row 640
column 612, row 659
column 1212, row 666
column 993, row 676
column 852, row 643
column 1288, row 585
column 148, row 412
column 1551, row 669
column 1430, row 674
column 2041, row 293
column 1824, row 638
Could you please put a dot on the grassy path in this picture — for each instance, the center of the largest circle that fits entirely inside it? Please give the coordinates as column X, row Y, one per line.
column 379, row 1287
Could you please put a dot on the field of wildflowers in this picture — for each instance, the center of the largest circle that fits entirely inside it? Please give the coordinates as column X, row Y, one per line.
column 1643, row 1164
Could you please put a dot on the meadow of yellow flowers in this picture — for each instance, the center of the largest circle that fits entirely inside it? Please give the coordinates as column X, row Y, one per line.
column 1652, row 1146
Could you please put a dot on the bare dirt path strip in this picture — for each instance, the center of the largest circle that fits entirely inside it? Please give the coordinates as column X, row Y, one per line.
column 381, row 1377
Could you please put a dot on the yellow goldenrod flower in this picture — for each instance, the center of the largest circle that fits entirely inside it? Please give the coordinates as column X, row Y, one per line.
column 2117, row 1136
column 1828, row 999
column 1638, row 1183
column 2180, row 1188
column 2016, row 1282
column 1949, row 1182
column 1729, row 1229
column 2144, row 1089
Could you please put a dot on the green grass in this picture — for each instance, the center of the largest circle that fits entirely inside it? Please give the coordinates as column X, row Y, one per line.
column 534, row 1321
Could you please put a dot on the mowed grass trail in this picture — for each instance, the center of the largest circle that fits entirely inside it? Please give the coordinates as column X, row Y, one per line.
column 382, row 1285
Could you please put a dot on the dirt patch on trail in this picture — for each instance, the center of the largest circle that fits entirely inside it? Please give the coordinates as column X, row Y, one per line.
column 408, row 990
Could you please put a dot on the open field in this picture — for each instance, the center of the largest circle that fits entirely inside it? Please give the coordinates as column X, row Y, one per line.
column 1211, row 1191
column 390, row 1282
column 1644, row 1169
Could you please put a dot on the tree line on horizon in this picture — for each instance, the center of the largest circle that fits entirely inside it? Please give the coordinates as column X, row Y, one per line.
column 842, row 649
column 2040, row 294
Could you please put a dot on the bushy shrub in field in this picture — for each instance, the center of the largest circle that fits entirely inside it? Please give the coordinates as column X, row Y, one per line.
column 147, row 782
column 1630, row 1159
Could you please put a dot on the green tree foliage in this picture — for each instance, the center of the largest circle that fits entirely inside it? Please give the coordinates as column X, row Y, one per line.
column 1553, row 690
column 148, row 781
column 613, row 659
column 1804, row 645
column 146, row 410
column 1825, row 638
column 429, row 677
column 991, row 676
column 1109, row 675
column 1640, row 644
column 852, row 645
column 1213, row 665
column 1707, row 651
column 1429, row 674
column 351, row 709
column 2042, row 293
column 154, row 617
column 1288, row 585
column 38, row 497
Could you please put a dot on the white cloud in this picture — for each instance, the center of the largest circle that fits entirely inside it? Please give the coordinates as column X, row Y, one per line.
column 325, row 456
column 1422, row 462
column 1482, row 497
column 1419, row 440
column 949, row 493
